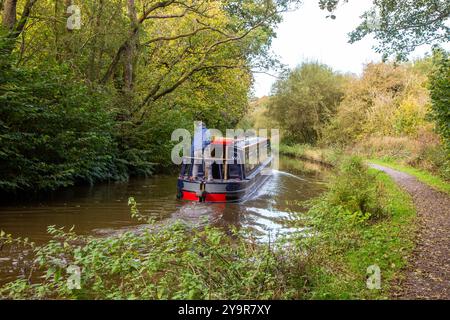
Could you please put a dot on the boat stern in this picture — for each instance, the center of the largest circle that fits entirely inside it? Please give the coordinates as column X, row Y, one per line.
column 206, row 191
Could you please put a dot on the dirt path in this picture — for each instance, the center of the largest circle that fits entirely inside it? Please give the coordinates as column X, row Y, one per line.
column 429, row 273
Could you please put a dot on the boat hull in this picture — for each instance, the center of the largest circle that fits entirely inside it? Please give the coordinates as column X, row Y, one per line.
column 233, row 190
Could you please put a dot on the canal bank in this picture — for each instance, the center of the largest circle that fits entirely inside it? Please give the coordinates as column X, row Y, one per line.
column 330, row 260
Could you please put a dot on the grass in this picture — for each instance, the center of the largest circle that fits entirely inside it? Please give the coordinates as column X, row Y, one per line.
column 421, row 175
column 345, row 249
column 307, row 152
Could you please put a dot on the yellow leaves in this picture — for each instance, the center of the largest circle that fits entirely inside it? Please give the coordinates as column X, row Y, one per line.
column 409, row 116
column 388, row 100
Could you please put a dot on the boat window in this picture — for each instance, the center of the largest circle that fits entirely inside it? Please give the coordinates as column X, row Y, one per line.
column 234, row 171
column 263, row 151
column 186, row 169
column 216, row 171
column 251, row 156
column 201, row 171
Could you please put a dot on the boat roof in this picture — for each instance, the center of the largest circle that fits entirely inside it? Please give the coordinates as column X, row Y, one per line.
column 240, row 143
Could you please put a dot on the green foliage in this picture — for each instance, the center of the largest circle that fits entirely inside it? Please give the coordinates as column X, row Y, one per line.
column 388, row 100
column 304, row 101
column 179, row 262
column 54, row 130
column 440, row 95
column 101, row 102
column 401, row 26
column 257, row 116
column 355, row 190
column 346, row 244
column 162, row 262
column 386, row 113
column 155, row 133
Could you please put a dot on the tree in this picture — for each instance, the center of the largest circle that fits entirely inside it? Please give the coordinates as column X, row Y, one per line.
column 150, row 48
column 401, row 26
column 9, row 17
column 9, row 14
column 304, row 101
column 440, row 94
column 387, row 100
column 54, row 130
column 139, row 68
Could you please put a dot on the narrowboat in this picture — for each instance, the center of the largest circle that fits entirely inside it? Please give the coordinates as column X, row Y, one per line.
column 232, row 174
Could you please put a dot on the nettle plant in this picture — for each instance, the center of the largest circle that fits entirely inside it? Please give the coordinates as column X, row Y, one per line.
column 159, row 262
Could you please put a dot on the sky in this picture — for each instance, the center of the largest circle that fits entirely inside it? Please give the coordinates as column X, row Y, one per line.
column 306, row 34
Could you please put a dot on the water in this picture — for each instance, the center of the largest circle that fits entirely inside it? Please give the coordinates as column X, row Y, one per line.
column 103, row 209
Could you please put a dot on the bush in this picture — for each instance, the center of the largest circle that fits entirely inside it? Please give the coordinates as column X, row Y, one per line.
column 355, row 190
column 54, row 130
column 304, row 102
column 347, row 241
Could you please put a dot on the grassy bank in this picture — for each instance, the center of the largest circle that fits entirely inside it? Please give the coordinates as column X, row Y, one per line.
column 421, row 175
column 326, row 156
column 350, row 239
column 364, row 219
column 330, row 156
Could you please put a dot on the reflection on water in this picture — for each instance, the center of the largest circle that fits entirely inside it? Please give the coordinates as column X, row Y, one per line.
column 103, row 209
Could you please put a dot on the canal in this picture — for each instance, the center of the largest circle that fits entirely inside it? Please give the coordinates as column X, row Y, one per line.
column 103, row 209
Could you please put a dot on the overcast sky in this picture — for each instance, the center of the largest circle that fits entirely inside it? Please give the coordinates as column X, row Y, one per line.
column 307, row 35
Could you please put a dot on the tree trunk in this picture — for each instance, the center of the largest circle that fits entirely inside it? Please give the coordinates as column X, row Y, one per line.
column 9, row 14
column 55, row 28
column 93, row 65
column 131, row 48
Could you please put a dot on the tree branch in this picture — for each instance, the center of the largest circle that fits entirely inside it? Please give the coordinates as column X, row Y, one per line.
column 115, row 62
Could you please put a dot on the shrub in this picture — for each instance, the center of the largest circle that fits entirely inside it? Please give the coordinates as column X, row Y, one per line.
column 355, row 190
column 54, row 130
column 304, row 102
column 161, row 262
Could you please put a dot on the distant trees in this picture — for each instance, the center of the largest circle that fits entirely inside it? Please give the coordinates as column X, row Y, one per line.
column 387, row 100
column 305, row 101
column 392, row 110
column 399, row 114
column 315, row 105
